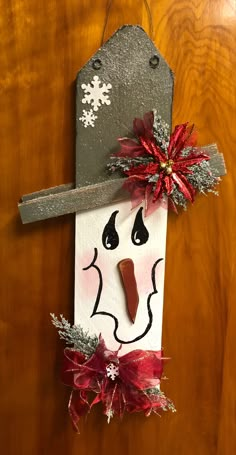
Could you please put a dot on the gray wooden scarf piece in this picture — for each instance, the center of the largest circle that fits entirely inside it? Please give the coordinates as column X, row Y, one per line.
column 141, row 81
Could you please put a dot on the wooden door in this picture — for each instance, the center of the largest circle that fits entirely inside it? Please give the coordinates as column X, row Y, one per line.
column 43, row 45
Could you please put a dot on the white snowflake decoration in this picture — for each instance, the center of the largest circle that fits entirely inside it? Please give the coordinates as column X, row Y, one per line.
column 95, row 94
column 88, row 118
column 112, row 371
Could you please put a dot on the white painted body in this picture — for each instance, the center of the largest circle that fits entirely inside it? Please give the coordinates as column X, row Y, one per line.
column 89, row 229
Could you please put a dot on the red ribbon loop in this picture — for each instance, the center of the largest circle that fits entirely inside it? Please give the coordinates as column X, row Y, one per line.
column 138, row 371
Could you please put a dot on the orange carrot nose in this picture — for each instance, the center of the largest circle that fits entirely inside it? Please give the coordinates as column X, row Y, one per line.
column 126, row 268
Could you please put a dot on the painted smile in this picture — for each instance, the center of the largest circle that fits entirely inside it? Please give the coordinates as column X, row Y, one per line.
column 95, row 311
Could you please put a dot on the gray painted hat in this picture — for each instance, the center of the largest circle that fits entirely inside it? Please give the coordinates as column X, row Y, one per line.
column 126, row 78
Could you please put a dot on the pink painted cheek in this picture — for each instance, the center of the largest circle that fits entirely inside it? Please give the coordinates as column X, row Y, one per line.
column 85, row 259
column 143, row 273
column 105, row 265
column 89, row 279
column 89, row 282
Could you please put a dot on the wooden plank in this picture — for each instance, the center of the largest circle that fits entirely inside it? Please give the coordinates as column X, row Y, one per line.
column 217, row 159
column 65, row 199
column 70, row 201
column 49, row 191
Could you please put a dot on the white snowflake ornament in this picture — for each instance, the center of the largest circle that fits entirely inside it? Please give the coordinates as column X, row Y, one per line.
column 112, row 371
column 88, row 118
column 95, row 94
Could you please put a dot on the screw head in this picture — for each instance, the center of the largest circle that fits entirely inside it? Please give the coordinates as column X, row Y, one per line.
column 154, row 61
column 97, row 64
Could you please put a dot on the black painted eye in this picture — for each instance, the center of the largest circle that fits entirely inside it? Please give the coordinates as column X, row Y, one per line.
column 110, row 238
column 139, row 234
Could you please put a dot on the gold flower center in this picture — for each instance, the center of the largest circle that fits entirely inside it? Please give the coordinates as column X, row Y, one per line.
column 167, row 166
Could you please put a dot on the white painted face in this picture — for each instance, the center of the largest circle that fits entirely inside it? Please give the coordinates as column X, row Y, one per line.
column 104, row 237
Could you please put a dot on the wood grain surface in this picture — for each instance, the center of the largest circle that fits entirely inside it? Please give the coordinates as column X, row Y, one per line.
column 43, row 44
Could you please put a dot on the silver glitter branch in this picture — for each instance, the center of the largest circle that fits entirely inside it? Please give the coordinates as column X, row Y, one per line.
column 167, row 403
column 204, row 177
column 161, row 131
column 75, row 335
column 124, row 163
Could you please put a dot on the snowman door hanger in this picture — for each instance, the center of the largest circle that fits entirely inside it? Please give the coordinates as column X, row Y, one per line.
column 129, row 170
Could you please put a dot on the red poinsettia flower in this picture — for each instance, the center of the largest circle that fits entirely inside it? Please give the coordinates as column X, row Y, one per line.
column 119, row 383
column 162, row 169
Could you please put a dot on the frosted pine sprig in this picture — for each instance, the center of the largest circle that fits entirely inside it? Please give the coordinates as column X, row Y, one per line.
column 75, row 335
column 161, row 131
column 166, row 165
column 167, row 403
column 124, row 163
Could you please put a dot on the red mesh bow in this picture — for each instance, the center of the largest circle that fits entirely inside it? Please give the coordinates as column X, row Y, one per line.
column 126, row 391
